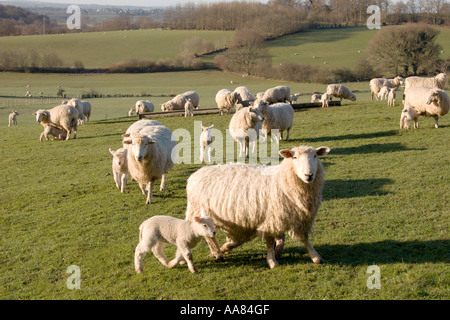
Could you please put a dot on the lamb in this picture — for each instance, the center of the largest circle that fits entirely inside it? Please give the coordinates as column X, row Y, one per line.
column 391, row 97
column 245, row 126
column 12, row 118
column 144, row 106
column 377, row 83
column 277, row 94
column 438, row 81
column 316, row 96
column 155, row 232
column 206, row 140
column 294, row 97
column 340, row 91
column 62, row 117
column 130, row 112
column 76, row 103
column 150, row 149
column 408, row 115
column 188, row 108
column 325, row 98
column 383, row 93
column 430, row 102
column 247, row 201
column 57, row 133
column 120, row 167
column 279, row 116
column 226, row 99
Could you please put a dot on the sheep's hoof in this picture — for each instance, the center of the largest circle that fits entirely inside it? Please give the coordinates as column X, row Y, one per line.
column 318, row 260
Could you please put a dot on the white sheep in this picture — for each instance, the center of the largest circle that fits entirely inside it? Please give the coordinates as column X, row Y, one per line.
column 57, row 133
column 277, row 94
column 76, row 103
column 63, row 117
column 247, row 201
column 226, row 99
column 188, row 108
column 294, row 97
column 178, row 102
column 120, row 167
column 28, row 94
column 325, row 99
column 193, row 97
column 157, row 231
column 259, row 95
column 206, row 140
column 144, row 106
column 12, row 118
column 130, row 112
column 86, row 109
column 383, row 93
column 377, row 83
column 247, row 97
column 278, row 116
column 429, row 102
column 438, row 81
column 316, row 96
column 408, row 115
column 150, row 149
column 245, row 127
column 340, row 91
column 391, row 97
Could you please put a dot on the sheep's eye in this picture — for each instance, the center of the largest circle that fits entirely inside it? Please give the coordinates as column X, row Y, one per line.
column 205, row 226
column 294, row 157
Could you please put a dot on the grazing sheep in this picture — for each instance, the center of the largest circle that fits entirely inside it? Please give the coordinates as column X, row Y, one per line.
column 245, row 126
column 429, row 102
column 76, row 103
column 130, row 112
column 57, row 133
column 12, row 118
column 28, row 94
column 144, row 106
column 247, row 97
column 155, row 232
column 294, row 97
column 383, row 93
column 408, row 115
column 438, row 81
column 277, row 94
column 226, row 99
column 62, row 117
column 120, row 167
column 247, row 201
column 377, row 83
column 340, row 91
column 325, row 99
column 279, row 116
column 178, row 102
column 206, row 140
column 316, row 96
column 86, row 109
column 391, row 97
column 150, row 148
column 194, row 97
column 188, row 108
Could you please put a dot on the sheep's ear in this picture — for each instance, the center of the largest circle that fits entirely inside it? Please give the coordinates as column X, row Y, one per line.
column 34, row 113
column 126, row 142
column 197, row 219
column 210, row 127
column 323, row 151
column 126, row 135
column 286, row 153
column 111, row 151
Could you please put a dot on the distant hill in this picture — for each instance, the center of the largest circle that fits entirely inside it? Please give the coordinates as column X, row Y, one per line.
column 20, row 15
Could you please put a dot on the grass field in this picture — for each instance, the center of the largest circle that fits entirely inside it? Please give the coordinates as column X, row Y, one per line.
column 384, row 204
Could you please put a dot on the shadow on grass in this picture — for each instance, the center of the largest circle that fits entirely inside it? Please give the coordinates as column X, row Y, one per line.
column 373, row 148
column 370, row 135
column 355, row 188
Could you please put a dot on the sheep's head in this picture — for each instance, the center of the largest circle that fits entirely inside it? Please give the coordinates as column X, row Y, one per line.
column 434, row 96
column 41, row 116
column 255, row 114
column 261, row 105
column 398, row 81
column 352, row 97
column 204, row 226
column 139, row 145
column 305, row 160
column 119, row 156
column 236, row 97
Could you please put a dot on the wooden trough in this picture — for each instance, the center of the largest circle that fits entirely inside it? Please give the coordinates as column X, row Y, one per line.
column 180, row 113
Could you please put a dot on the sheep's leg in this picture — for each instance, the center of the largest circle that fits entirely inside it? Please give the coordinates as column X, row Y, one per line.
column 214, row 247
column 279, row 245
column 230, row 245
column 287, row 134
column 123, row 182
column 315, row 257
column 209, row 154
column 159, row 254
column 270, row 244
column 116, row 179
column 162, row 187
column 141, row 250
column 142, row 187
column 149, row 192
column 202, row 151
column 436, row 125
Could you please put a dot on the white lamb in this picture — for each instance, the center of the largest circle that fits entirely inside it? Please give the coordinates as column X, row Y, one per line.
column 248, row 201
column 278, row 116
column 438, row 81
column 63, row 117
column 316, row 96
column 157, row 231
column 340, row 91
column 391, row 97
column 130, row 112
column 144, row 106
column 294, row 97
column 383, row 93
column 277, row 94
column 76, row 103
column 226, row 99
column 12, row 118
column 245, row 126
column 150, row 149
column 408, row 115
column 206, row 140
column 429, row 102
column 377, row 83
column 120, row 167
column 325, row 99
column 188, row 108
column 57, row 133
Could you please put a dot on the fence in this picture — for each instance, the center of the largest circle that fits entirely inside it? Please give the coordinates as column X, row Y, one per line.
column 14, row 102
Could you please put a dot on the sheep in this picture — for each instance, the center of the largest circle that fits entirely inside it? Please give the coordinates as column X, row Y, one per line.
column 340, row 91
column 206, row 140
column 247, row 97
column 277, row 94
column 316, row 96
column 28, row 94
column 245, row 126
column 155, row 232
column 391, row 97
column 130, row 112
column 438, row 81
column 76, row 103
column 383, row 93
column 144, row 106
column 226, row 99
column 279, row 116
column 57, row 133
column 377, row 83
column 150, row 147
column 193, row 97
column 294, row 97
column 86, row 110
column 178, row 102
column 63, row 117
column 259, row 95
column 120, row 167
column 12, row 118
column 188, row 108
column 325, row 98
column 429, row 102
column 408, row 115
column 248, row 200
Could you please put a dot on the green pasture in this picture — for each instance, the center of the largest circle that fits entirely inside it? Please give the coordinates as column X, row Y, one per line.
column 385, row 203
